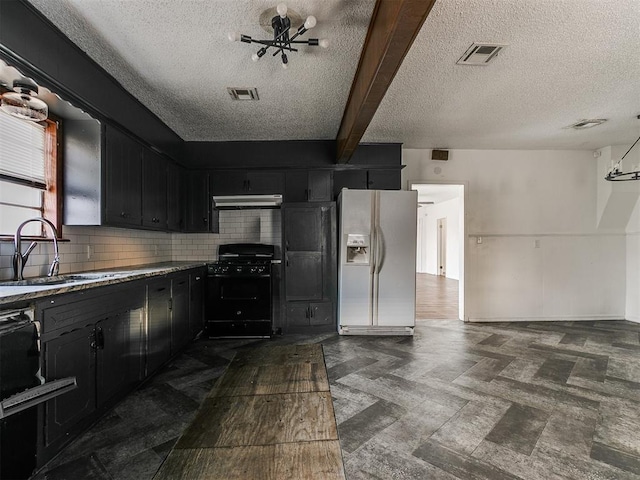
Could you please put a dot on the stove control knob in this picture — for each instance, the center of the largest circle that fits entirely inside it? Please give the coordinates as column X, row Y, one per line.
column 253, row 269
column 239, row 269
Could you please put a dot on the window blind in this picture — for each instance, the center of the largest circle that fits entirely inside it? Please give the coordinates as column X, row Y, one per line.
column 22, row 150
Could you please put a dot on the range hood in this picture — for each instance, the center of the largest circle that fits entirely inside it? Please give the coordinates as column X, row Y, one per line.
column 247, row 201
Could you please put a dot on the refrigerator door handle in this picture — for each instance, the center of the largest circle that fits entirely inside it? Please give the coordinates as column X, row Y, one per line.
column 379, row 250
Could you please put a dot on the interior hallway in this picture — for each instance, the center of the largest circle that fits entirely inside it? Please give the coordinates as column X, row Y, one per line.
column 531, row 401
column 436, row 297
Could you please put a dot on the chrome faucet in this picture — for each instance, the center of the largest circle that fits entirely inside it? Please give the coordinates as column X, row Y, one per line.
column 20, row 259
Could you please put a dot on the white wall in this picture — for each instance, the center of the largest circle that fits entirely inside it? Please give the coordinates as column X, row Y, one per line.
column 542, row 256
column 428, row 240
column 632, row 303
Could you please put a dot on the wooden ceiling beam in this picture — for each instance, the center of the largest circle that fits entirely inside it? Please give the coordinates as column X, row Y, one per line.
column 392, row 30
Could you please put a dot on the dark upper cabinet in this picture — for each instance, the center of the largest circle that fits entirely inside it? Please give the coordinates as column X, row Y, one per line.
column 198, row 201
column 154, row 190
column 355, row 179
column 123, row 178
column 176, row 210
column 320, row 183
column 363, row 179
column 384, row 179
column 308, row 186
column 228, row 182
column 246, row 182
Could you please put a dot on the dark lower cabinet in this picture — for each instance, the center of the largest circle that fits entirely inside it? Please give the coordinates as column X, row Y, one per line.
column 101, row 345
column 180, row 302
column 196, row 306
column 120, row 353
column 310, row 314
column 70, row 354
column 110, row 342
column 158, row 323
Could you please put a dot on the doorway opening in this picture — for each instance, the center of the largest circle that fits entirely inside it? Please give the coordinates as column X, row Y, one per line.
column 440, row 251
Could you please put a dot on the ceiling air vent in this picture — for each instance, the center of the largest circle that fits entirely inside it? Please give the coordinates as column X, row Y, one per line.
column 480, row 54
column 243, row 93
column 582, row 124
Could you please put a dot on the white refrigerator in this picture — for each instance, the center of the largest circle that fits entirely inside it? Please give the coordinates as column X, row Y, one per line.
column 377, row 262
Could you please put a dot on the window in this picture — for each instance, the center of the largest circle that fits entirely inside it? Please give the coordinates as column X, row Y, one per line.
column 30, row 175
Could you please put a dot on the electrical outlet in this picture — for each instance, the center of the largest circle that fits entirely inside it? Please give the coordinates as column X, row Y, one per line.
column 536, row 243
column 89, row 252
column 155, row 250
column 479, row 240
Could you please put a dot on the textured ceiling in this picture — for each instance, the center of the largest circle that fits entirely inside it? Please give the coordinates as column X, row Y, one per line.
column 566, row 60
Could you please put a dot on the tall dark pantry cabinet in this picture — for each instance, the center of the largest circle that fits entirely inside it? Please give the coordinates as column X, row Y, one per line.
column 309, row 258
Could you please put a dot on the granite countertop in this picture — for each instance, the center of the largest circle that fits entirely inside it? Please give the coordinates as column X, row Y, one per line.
column 73, row 282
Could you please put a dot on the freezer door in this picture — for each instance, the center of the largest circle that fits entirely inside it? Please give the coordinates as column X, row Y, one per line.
column 395, row 284
column 354, row 279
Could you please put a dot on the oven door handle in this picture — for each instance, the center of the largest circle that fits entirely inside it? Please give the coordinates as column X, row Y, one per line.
column 239, row 298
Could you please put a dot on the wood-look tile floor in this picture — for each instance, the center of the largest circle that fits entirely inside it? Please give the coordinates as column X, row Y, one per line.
column 552, row 401
column 436, row 297
column 270, row 416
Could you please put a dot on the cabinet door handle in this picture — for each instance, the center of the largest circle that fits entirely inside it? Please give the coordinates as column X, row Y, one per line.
column 249, row 185
column 99, row 338
column 310, row 312
column 170, row 302
column 197, row 278
column 205, row 219
column 123, row 214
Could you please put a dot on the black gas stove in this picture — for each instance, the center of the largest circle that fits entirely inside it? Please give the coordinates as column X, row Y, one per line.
column 239, row 294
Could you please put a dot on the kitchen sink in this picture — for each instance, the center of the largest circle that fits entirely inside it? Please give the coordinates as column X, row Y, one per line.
column 58, row 280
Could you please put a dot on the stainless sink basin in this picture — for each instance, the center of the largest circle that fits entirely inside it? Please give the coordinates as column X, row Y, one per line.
column 58, row 280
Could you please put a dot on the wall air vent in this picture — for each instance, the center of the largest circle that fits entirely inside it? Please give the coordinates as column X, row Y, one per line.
column 480, row 54
column 243, row 93
column 582, row 124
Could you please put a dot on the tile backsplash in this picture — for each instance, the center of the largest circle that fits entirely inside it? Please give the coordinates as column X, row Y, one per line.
column 94, row 248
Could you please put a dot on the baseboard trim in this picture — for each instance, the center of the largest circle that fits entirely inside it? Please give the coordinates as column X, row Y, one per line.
column 634, row 319
column 584, row 318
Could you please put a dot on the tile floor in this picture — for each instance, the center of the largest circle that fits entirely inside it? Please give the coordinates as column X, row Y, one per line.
column 545, row 401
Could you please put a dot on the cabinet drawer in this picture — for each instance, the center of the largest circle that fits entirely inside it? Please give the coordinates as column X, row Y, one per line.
column 63, row 311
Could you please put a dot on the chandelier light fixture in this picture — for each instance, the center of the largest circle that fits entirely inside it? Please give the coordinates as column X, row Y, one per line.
column 617, row 174
column 21, row 102
column 282, row 42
